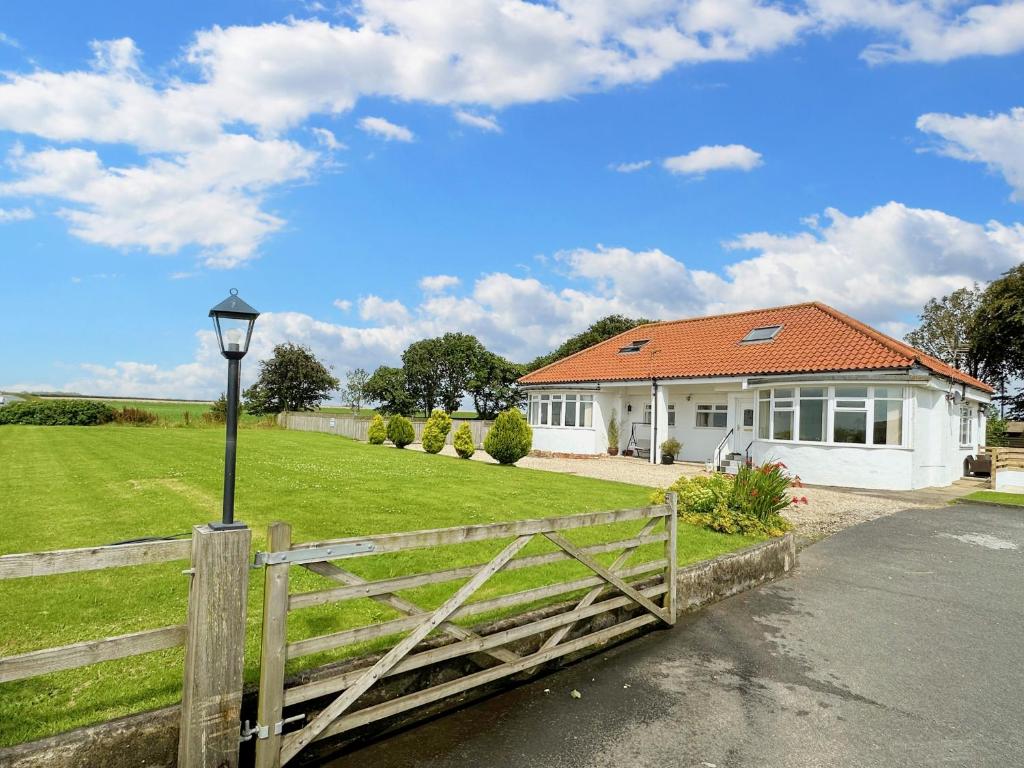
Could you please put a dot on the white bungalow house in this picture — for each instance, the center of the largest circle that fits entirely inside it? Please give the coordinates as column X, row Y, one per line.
column 835, row 400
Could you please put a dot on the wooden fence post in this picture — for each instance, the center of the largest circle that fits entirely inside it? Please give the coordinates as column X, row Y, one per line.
column 212, row 692
column 671, row 549
column 272, row 653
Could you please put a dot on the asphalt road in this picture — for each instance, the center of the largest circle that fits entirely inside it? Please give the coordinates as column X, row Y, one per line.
column 898, row 642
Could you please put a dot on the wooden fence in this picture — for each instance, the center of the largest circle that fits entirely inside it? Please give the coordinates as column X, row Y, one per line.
column 213, row 633
column 93, row 651
column 1007, row 468
column 357, row 428
column 275, row 748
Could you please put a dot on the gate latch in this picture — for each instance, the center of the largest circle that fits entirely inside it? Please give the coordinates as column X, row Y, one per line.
column 263, row 731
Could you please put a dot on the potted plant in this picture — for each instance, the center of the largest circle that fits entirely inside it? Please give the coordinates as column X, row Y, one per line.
column 669, row 450
column 613, row 435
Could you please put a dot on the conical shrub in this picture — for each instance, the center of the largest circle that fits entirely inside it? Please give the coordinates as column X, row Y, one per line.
column 510, row 438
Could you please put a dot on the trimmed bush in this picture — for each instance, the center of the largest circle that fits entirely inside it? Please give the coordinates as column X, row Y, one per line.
column 436, row 430
column 378, row 431
column 750, row 503
column 463, row 442
column 671, row 447
column 135, row 416
column 53, row 413
column 400, row 431
column 510, row 438
column 613, row 434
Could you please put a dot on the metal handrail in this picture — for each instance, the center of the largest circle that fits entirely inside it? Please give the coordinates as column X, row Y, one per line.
column 717, row 455
column 746, row 453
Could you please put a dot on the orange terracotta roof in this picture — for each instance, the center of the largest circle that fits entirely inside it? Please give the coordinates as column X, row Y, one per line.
column 814, row 338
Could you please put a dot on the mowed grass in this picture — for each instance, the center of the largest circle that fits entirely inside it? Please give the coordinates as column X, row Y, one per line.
column 66, row 487
column 996, row 497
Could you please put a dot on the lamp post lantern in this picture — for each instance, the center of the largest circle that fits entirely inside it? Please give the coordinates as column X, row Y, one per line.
column 233, row 321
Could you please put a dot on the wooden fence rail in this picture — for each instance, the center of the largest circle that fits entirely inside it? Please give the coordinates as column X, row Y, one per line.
column 632, row 581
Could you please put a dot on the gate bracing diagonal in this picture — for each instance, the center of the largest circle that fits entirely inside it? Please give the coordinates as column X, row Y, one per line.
column 627, row 581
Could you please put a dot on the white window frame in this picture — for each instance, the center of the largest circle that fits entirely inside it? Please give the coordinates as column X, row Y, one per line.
column 868, row 408
column 670, row 413
column 540, row 410
column 966, row 420
column 711, row 410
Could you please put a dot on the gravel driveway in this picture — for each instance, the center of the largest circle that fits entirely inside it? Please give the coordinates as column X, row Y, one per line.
column 828, row 509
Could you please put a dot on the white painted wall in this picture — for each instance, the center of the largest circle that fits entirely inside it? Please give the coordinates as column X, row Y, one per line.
column 565, row 440
column 1010, row 480
column 846, row 466
column 699, row 443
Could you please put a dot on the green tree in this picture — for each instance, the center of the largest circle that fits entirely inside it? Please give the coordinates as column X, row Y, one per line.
column 997, row 335
column 219, row 409
column 947, row 329
column 460, row 356
column 292, row 379
column 387, row 388
column 400, row 431
column 463, row 443
column 603, row 329
column 494, row 385
column 436, row 430
column 354, row 392
column 509, row 439
column 421, row 364
column 378, row 431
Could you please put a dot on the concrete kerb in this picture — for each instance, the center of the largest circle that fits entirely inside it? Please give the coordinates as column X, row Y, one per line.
column 151, row 738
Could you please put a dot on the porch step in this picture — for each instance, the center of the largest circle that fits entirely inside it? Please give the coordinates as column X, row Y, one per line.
column 730, row 466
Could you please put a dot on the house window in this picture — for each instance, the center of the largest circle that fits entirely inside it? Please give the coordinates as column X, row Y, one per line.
column 647, row 413
column 634, row 346
column 561, row 410
column 888, row 426
column 671, row 415
column 712, row 416
column 748, row 417
column 850, row 423
column 858, row 415
column 966, row 426
column 765, row 333
column 813, row 414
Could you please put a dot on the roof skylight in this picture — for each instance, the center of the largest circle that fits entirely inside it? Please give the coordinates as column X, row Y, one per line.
column 764, row 333
column 634, row 346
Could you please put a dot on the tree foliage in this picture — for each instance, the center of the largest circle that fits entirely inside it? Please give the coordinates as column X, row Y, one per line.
column 400, row 431
column 603, row 329
column 436, row 430
column 378, row 431
column 494, row 385
column 292, row 379
column 947, row 329
column 463, row 443
column 998, row 334
column 387, row 388
column 421, row 365
column 353, row 393
column 509, row 439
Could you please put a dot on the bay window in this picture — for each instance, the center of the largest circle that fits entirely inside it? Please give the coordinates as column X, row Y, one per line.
column 561, row 411
column 845, row 414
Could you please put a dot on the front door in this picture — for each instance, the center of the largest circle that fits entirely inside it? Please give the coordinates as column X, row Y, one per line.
column 743, row 419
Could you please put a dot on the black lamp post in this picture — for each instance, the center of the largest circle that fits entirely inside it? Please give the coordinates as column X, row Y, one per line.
column 233, row 320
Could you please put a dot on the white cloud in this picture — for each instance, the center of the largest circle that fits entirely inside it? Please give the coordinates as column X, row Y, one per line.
column 928, row 30
column 183, row 275
column 881, row 267
column 343, row 304
column 261, row 81
column 630, row 167
column 209, row 198
column 327, row 139
column 730, row 157
column 374, row 308
column 996, row 140
column 8, row 40
column 385, row 129
column 438, row 283
column 483, row 122
column 16, row 214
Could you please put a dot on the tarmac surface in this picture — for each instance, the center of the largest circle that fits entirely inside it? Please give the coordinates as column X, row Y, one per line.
column 897, row 642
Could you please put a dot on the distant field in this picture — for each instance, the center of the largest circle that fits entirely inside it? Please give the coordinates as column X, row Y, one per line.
column 172, row 412
column 79, row 486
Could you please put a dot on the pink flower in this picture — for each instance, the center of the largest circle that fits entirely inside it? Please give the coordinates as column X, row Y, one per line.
column 803, row 499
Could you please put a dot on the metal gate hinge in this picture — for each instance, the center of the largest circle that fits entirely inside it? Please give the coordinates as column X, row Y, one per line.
column 263, row 731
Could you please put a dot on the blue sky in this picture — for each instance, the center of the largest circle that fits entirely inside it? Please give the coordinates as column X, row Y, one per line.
column 370, row 174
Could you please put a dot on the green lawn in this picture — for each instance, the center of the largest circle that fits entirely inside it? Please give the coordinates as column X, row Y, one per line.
column 77, row 486
column 996, row 497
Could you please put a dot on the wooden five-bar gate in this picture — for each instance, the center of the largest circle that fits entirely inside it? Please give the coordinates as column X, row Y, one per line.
column 651, row 585
column 214, row 630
